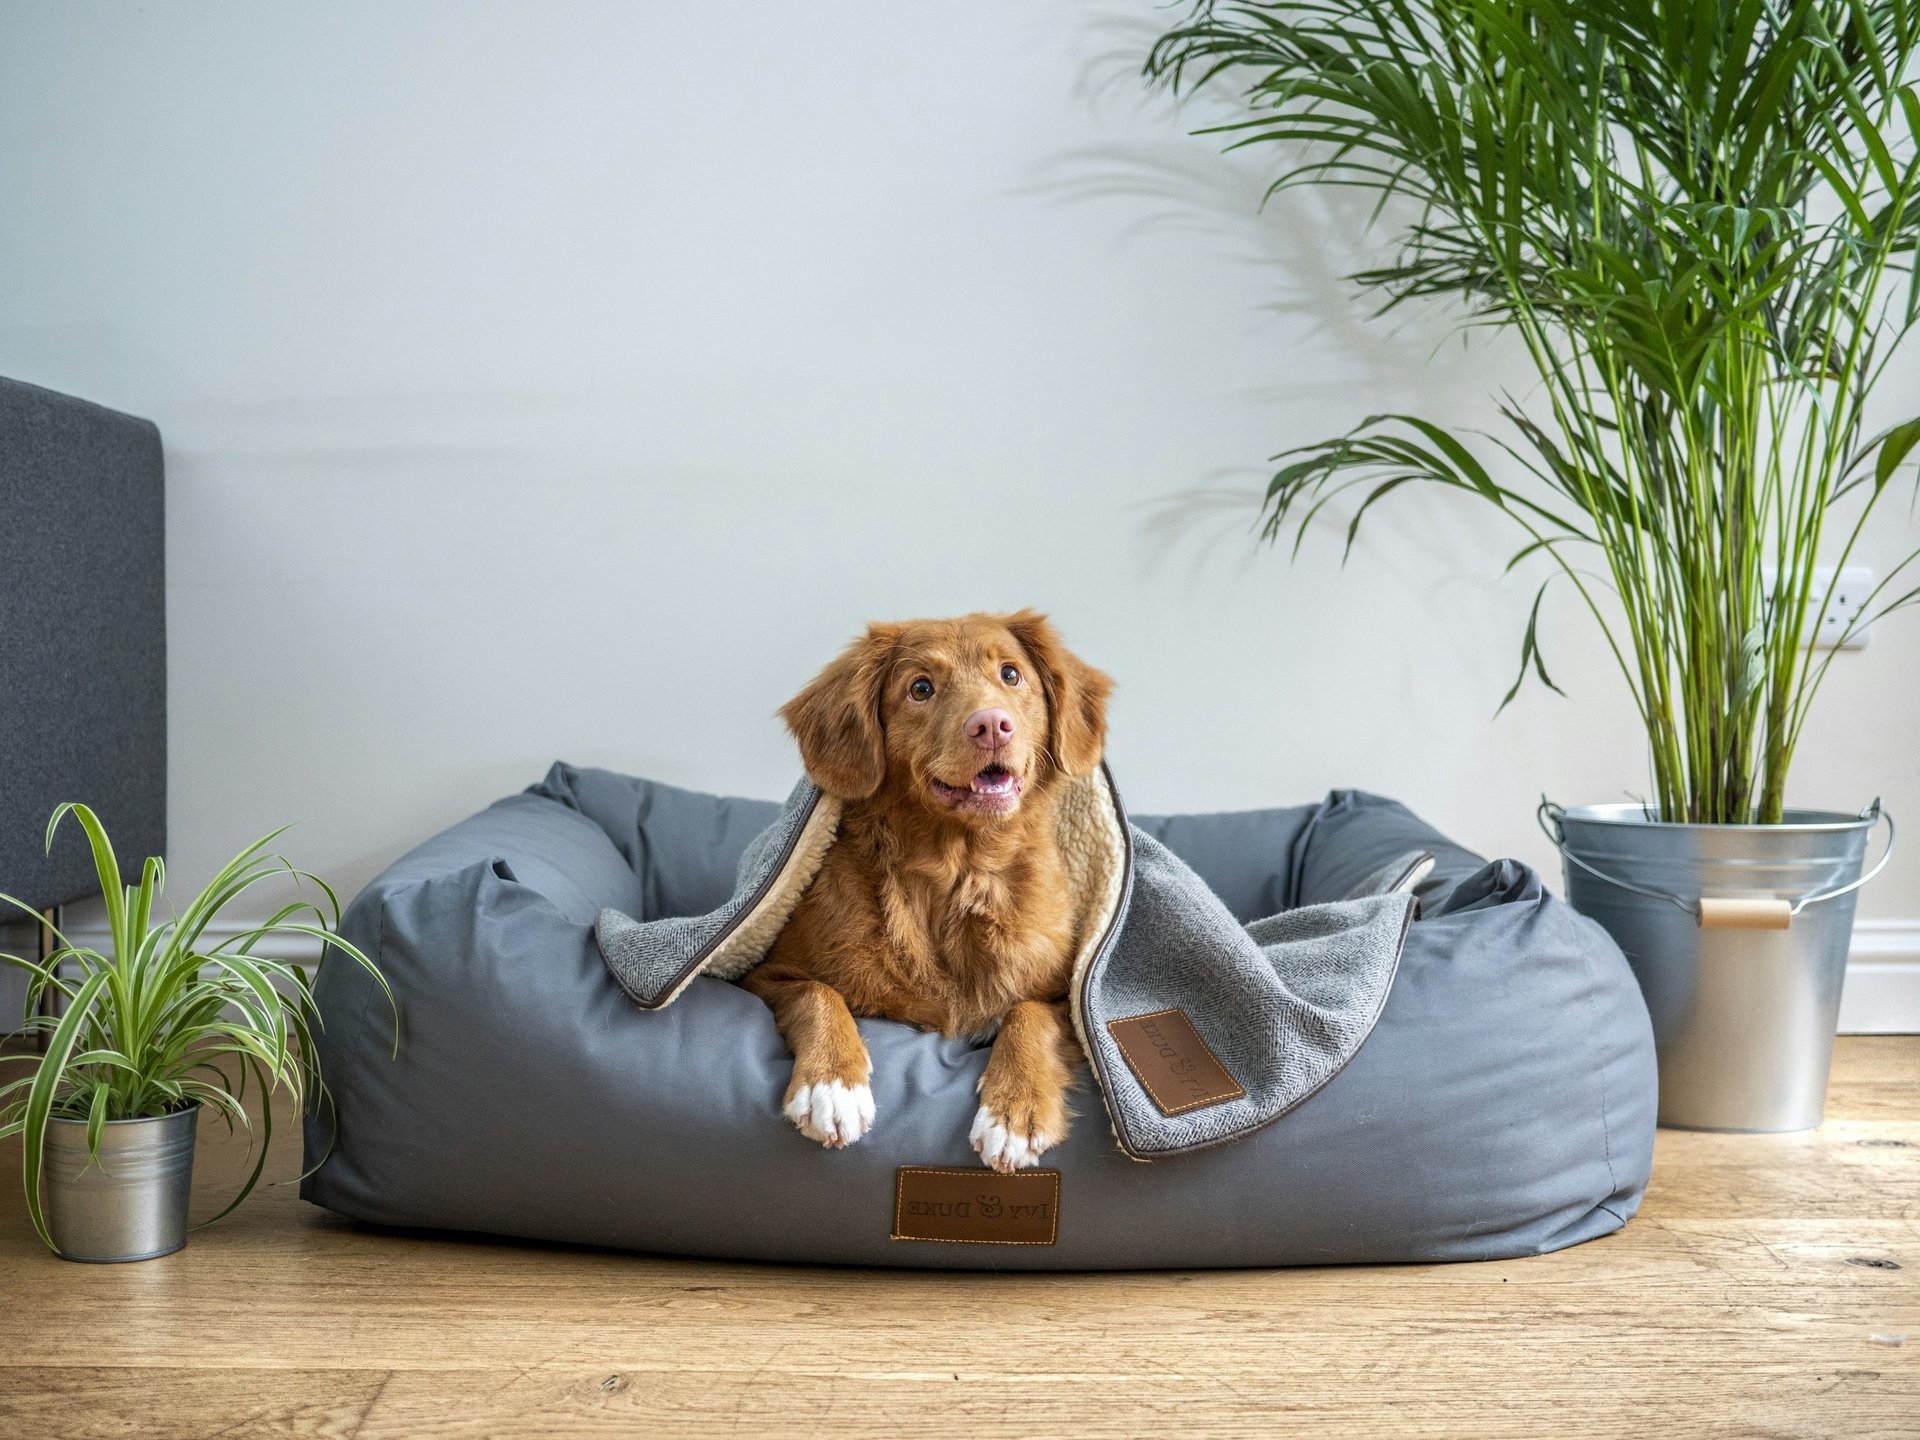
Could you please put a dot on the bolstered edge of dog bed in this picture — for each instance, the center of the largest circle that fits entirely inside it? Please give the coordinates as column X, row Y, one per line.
column 1503, row 1105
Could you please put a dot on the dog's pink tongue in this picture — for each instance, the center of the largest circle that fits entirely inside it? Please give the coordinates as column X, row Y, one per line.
column 993, row 782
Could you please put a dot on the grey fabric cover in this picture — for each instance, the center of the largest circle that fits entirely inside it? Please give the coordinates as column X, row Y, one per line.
column 1503, row 1104
column 83, row 639
column 1283, row 1003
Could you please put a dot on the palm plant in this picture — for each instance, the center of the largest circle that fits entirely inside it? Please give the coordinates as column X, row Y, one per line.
column 1699, row 217
column 167, row 1020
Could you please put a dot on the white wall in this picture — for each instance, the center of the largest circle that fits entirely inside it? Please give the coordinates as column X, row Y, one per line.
column 570, row 379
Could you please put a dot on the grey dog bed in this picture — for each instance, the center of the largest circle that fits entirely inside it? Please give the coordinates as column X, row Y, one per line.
column 1200, row 1029
column 1502, row 1103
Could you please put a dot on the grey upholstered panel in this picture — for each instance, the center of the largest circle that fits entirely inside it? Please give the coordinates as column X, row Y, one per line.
column 683, row 846
column 83, row 644
column 1504, row 1104
column 1246, row 855
column 1352, row 834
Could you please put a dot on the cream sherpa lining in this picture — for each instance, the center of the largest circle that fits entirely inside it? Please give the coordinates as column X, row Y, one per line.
column 1092, row 846
column 753, row 935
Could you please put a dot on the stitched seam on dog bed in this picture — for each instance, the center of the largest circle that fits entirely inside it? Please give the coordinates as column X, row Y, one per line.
column 380, row 958
column 899, row 1197
column 1165, row 1109
column 1600, row 1075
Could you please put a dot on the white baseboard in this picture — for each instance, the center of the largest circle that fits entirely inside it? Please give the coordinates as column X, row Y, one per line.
column 1882, row 996
column 1883, row 979
column 295, row 949
column 300, row 950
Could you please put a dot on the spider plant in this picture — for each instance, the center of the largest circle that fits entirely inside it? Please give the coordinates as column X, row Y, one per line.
column 165, row 1019
column 1698, row 217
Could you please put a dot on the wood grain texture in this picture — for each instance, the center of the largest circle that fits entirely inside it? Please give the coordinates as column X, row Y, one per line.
column 1744, row 1301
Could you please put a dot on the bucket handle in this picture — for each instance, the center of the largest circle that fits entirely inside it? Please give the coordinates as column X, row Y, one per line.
column 1720, row 914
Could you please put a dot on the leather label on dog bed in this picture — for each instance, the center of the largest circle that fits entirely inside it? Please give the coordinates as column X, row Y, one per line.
column 976, row 1207
column 1171, row 1061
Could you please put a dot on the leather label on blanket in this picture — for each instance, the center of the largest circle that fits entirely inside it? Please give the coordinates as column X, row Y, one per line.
column 976, row 1207
column 1171, row 1061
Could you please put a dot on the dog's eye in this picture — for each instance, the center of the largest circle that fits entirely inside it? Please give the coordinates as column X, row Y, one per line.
column 921, row 689
column 1010, row 674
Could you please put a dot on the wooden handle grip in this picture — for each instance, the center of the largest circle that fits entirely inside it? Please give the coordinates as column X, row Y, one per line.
column 1745, row 914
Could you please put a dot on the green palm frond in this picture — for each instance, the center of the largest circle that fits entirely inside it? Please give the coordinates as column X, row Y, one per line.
column 1700, row 218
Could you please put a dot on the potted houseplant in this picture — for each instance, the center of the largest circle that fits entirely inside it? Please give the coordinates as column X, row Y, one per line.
column 163, row 1024
column 1698, row 217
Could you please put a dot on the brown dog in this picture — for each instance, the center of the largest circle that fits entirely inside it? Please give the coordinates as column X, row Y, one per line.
column 944, row 902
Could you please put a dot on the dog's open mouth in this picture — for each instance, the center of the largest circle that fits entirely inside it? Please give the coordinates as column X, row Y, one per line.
column 994, row 791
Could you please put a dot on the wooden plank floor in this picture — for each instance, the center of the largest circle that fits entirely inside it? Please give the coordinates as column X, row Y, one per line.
column 1770, row 1287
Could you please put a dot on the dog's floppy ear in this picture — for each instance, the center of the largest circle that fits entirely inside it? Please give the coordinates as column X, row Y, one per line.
column 1076, row 694
column 836, row 719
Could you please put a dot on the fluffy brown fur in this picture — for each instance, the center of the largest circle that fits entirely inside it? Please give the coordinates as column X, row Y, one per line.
column 944, row 902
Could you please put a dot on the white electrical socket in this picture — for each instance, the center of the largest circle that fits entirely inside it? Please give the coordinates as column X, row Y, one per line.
column 1845, row 607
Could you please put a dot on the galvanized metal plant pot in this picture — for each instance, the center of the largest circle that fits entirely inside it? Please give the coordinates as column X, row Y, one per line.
column 1738, row 935
column 130, row 1203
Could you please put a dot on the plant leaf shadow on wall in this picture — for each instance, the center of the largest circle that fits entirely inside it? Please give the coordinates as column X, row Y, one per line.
column 1331, row 353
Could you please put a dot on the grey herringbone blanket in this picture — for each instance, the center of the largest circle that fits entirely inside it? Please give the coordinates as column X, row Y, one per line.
column 1200, row 1029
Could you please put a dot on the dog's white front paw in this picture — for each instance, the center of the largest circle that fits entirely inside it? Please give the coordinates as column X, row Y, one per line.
column 832, row 1112
column 1004, row 1146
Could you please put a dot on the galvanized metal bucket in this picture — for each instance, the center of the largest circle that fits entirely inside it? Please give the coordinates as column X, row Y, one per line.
column 130, row 1203
column 1738, row 935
